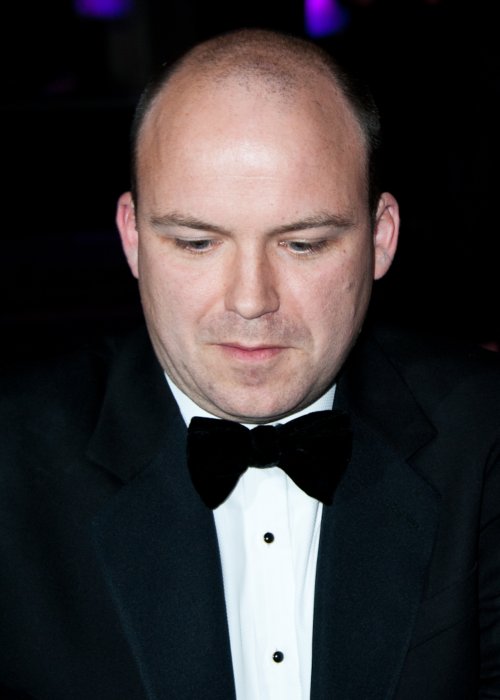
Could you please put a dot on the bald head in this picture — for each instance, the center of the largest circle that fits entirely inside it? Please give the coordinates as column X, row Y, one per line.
column 280, row 65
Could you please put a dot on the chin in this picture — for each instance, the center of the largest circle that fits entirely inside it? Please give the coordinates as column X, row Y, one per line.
column 258, row 411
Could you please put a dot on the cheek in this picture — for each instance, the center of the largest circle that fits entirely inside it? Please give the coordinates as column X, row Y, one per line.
column 172, row 293
column 339, row 298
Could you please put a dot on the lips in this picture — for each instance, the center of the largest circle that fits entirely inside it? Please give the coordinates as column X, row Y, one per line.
column 258, row 353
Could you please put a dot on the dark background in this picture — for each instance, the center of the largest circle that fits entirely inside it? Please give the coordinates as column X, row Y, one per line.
column 70, row 82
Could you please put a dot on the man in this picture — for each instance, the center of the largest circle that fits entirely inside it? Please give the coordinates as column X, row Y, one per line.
column 255, row 230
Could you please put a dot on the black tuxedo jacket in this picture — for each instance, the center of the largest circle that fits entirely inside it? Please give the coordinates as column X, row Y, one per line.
column 110, row 578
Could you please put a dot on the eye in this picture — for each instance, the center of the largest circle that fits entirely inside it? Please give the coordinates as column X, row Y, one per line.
column 195, row 245
column 305, row 247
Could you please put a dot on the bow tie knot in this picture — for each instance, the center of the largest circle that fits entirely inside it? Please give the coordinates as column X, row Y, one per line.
column 313, row 450
column 264, row 446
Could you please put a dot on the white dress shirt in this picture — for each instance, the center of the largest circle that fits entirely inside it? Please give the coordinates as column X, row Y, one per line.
column 268, row 532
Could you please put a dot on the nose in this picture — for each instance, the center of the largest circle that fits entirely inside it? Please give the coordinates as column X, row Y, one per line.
column 252, row 289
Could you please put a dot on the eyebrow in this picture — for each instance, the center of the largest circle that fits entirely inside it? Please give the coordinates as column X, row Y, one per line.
column 320, row 220
column 176, row 219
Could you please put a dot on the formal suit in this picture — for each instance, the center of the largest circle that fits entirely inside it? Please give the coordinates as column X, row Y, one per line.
column 110, row 579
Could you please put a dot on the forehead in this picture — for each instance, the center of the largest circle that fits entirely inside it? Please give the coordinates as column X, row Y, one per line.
column 205, row 125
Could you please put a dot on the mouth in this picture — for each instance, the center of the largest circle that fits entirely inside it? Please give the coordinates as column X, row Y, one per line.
column 246, row 353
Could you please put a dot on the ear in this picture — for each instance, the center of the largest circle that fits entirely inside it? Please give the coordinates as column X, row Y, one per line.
column 125, row 220
column 385, row 235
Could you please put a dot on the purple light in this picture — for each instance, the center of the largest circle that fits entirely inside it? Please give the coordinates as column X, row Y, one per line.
column 324, row 17
column 103, row 9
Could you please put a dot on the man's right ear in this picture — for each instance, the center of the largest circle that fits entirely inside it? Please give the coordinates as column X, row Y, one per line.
column 125, row 220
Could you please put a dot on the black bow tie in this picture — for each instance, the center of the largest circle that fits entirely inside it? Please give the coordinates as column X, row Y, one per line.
column 313, row 450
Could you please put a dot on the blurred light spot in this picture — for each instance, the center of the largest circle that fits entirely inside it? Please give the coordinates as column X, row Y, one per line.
column 103, row 9
column 324, row 17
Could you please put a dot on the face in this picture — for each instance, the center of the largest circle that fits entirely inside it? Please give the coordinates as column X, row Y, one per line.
column 252, row 243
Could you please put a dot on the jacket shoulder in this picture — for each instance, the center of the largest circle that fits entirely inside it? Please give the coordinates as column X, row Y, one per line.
column 54, row 402
column 437, row 368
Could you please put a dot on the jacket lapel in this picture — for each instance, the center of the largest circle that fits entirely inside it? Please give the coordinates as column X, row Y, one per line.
column 376, row 539
column 156, row 541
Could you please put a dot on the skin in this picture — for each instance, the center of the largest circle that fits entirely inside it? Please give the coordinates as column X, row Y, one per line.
column 252, row 241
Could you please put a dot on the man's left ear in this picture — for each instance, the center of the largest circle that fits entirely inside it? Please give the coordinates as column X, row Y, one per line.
column 385, row 234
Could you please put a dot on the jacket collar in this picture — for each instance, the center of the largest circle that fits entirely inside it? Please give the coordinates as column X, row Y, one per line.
column 376, row 539
column 136, row 412
column 155, row 540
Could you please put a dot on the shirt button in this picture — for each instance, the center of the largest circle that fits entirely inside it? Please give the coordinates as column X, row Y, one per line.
column 269, row 537
column 278, row 657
